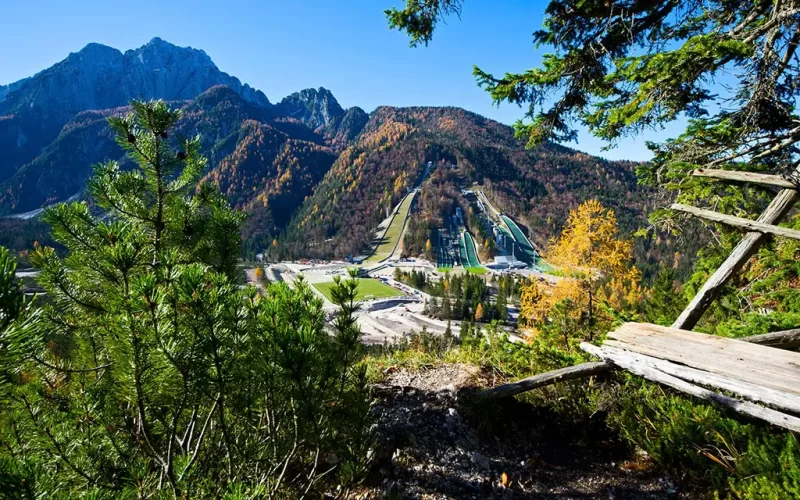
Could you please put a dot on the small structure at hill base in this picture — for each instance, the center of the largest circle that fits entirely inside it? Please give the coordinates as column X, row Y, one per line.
column 761, row 371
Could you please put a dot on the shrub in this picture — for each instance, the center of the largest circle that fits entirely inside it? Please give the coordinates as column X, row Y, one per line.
column 152, row 373
column 702, row 444
column 705, row 445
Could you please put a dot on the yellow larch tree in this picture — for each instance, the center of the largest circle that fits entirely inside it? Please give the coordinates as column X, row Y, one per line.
column 589, row 243
column 588, row 251
column 259, row 273
column 479, row 312
column 536, row 300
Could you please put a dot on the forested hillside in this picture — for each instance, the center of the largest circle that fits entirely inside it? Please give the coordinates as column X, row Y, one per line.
column 367, row 179
column 264, row 164
column 538, row 186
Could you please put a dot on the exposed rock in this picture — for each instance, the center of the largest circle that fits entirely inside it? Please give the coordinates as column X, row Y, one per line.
column 99, row 77
column 320, row 110
column 480, row 461
column 317, row 108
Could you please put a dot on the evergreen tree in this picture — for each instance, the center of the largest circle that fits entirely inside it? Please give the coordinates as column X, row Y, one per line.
column 501, row 307
column 621, row 66
column 458, row 308
column 17, row 320
column 433, row 306
column 447, row 312
column 465, row 330
column 664, row 302
column 150, row 371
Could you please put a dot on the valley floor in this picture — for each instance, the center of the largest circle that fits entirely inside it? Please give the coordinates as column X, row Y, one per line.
column 430, row 447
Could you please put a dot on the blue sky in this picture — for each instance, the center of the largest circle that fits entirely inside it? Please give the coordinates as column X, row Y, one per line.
column 284, row 46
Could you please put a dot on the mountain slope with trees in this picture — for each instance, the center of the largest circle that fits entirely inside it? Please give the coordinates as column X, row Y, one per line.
column 538, row 186
column 273, row 160
column 263, row 164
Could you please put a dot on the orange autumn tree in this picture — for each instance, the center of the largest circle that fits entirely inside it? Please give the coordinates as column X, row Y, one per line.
column 479, row 312
column 596, row 264
column 537, row 299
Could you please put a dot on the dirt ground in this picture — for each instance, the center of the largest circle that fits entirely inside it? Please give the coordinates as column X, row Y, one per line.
column 428, row 448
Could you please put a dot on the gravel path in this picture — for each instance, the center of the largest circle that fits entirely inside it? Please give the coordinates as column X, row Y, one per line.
column 428, row 449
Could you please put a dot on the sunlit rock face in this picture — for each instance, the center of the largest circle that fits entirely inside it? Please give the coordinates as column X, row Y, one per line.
column 100, row 77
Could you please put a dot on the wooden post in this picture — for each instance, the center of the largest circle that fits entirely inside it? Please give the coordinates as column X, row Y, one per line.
column 786, row 339
column 738, row 222
column 748, row 177
column 776, row 210
column 543, row 379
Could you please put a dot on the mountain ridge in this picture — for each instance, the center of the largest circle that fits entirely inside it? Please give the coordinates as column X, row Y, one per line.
column 374, row 172
column 34, row 110
column 309, row 172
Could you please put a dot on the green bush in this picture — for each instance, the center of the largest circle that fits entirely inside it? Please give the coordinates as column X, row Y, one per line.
column 150, row 372
column 706, row 446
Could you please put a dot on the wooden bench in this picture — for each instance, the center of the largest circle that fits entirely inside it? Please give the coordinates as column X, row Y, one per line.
column 693, row 362
column 764, row 380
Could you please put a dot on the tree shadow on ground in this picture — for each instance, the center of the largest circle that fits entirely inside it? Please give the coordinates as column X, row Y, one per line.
column 432, row 445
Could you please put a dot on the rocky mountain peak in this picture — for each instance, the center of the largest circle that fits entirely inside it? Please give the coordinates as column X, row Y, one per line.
column 100, row 77
column 158, row 53
column 317, row 108
column 94, row 49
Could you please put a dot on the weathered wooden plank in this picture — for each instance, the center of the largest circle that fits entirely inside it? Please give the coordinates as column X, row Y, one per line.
column 761, row 365
column 725, row 362
column 544, row 379
column 750, row 177
column 747, row 353
column 786, row 339
column 744, row 361
column 779, row 399
column 702, row 360
column 780, row 340
column 620, row 358
column 777, row 209
column 768, row 371
column 745, row 345
column 739, row 222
